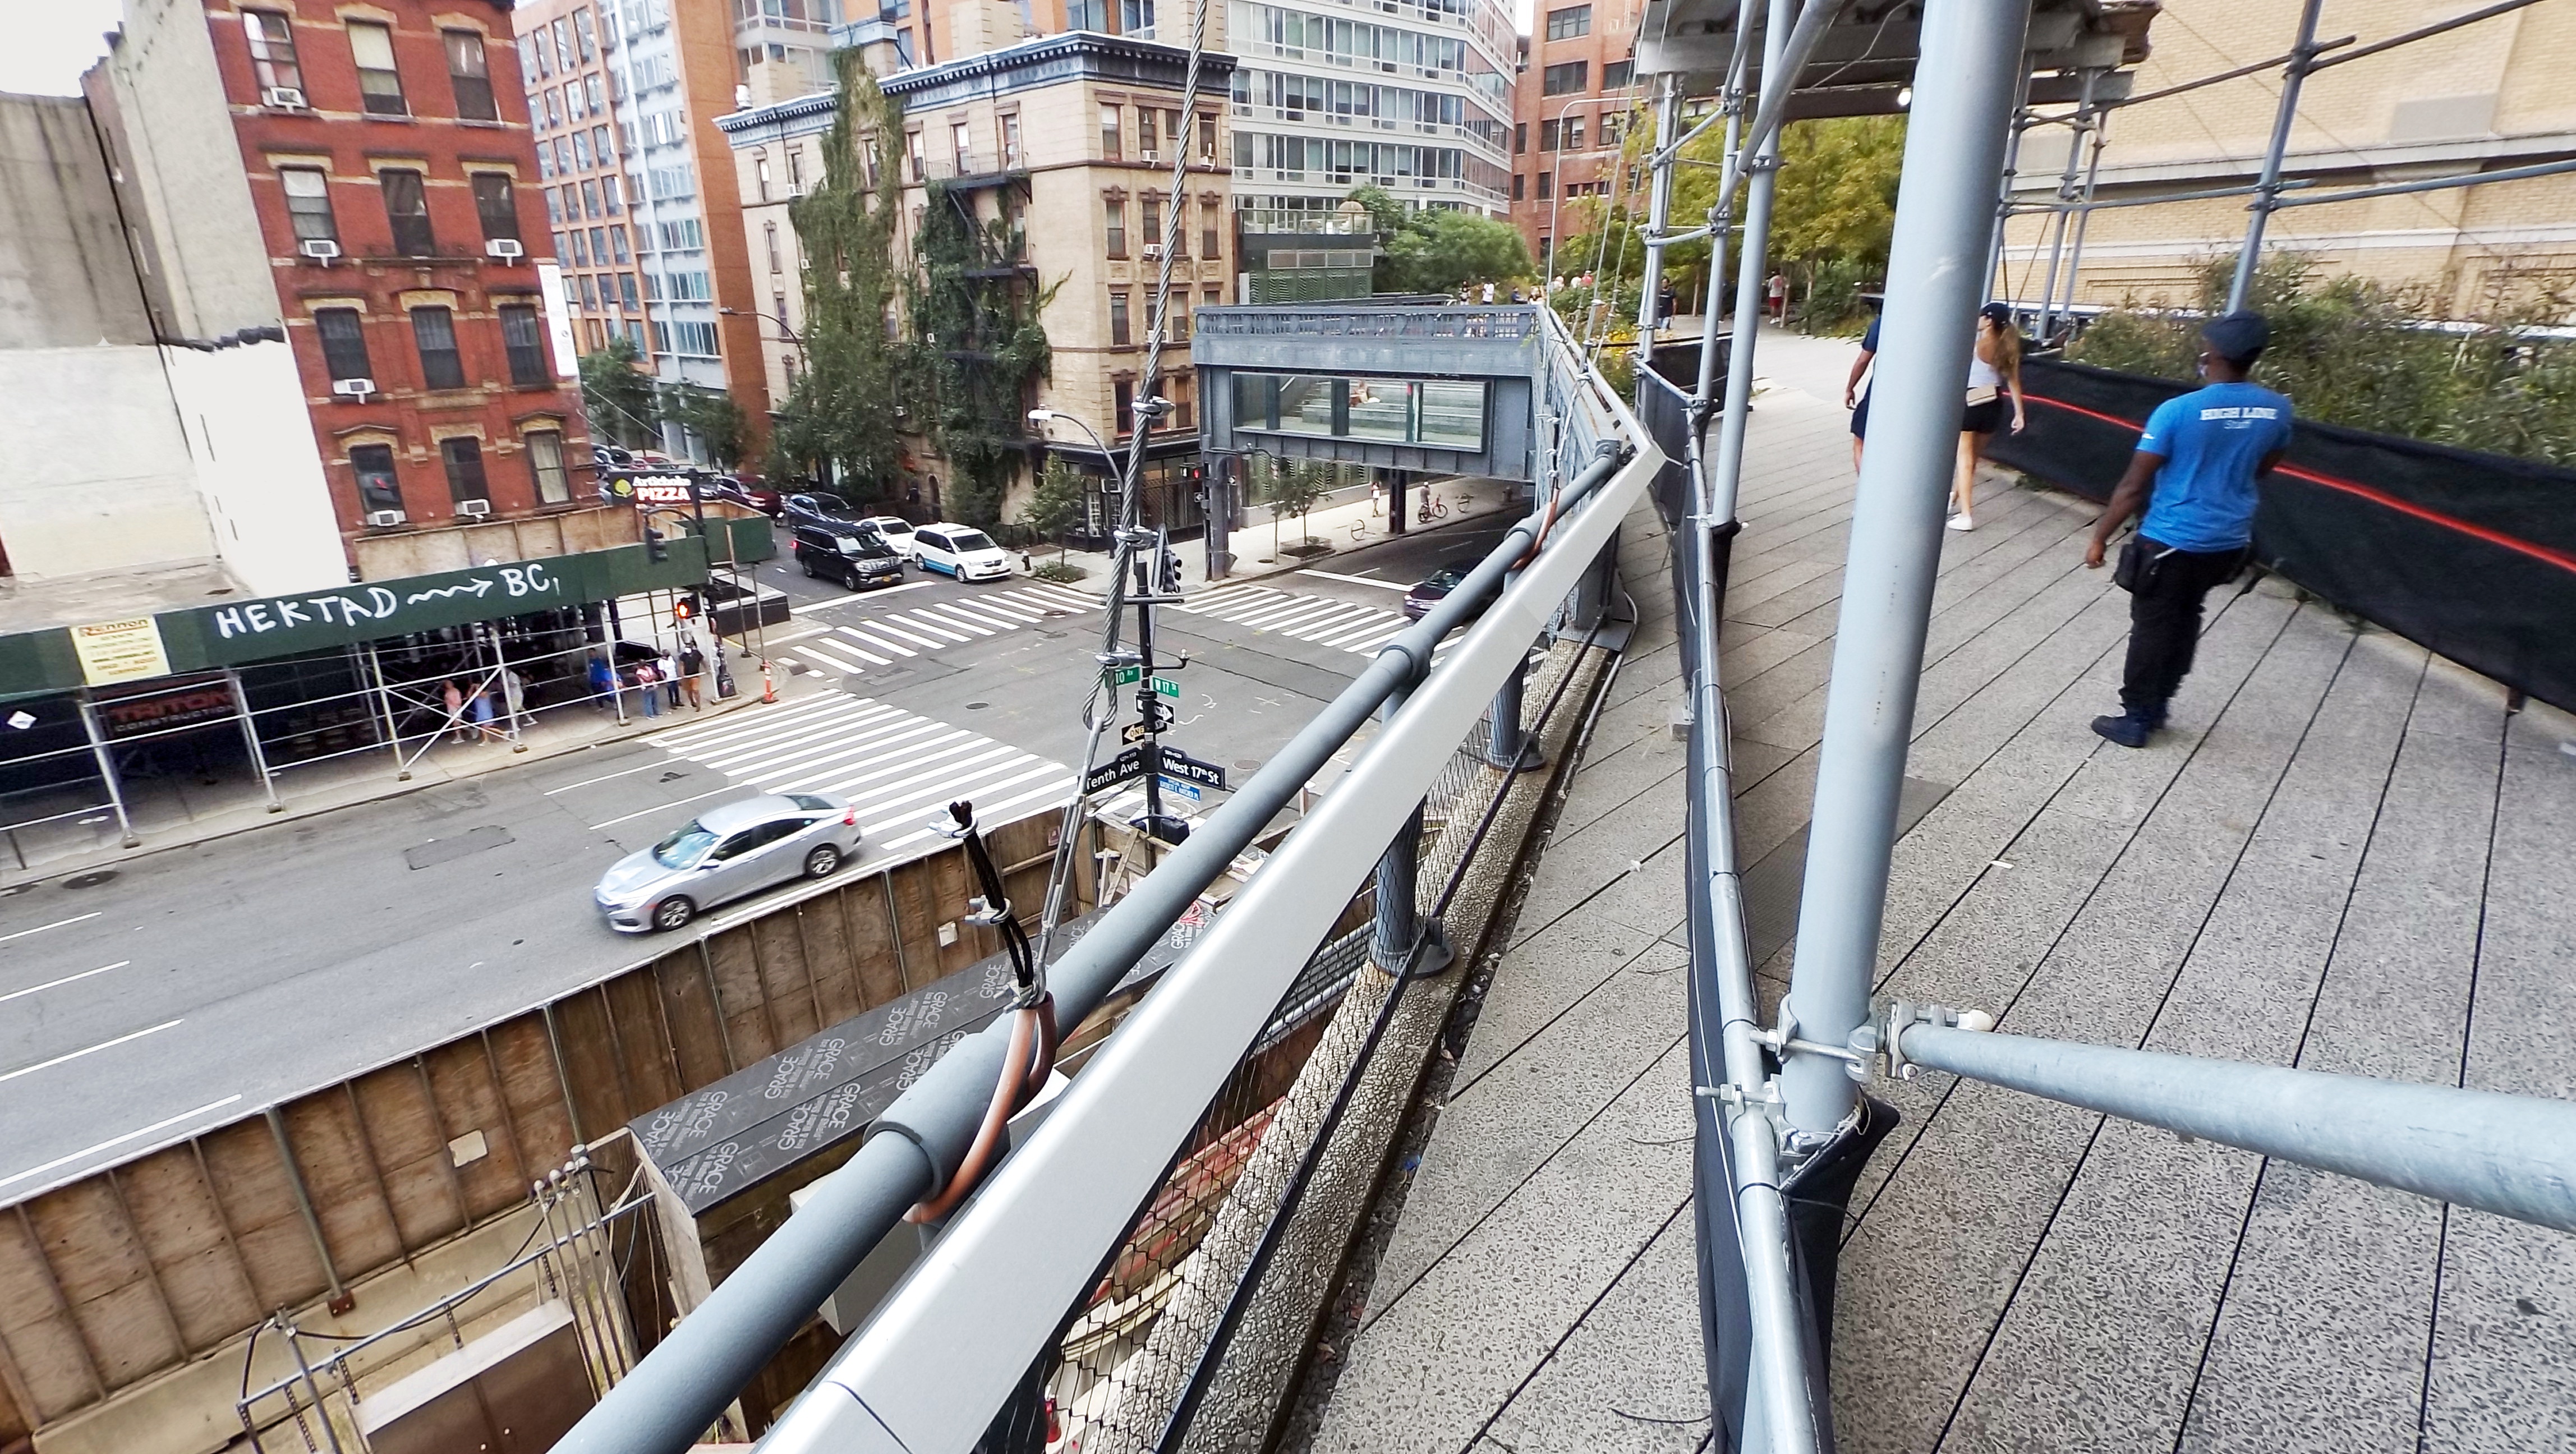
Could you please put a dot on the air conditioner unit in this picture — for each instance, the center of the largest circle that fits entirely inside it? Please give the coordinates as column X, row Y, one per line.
column 384, row 517
column 1153, row 250
column 474, row 507
column 507, row 249
column 358, row 389
column 284, row 98
column 1149, row 156
column 320, row 249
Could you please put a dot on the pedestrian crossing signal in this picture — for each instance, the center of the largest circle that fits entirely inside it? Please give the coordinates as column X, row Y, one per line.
column 684, row 609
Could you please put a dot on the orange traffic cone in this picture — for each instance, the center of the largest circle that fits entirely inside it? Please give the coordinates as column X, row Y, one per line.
column 768, row 688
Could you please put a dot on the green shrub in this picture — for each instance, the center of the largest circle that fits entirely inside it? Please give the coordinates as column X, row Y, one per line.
column 1063, row 573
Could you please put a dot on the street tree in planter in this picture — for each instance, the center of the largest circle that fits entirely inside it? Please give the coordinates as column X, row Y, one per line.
column 618, row 397
column 1297, row 484
column 1054, row 505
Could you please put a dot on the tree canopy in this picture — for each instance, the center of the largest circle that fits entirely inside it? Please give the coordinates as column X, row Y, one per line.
column 617, row 396
column 1440, row 249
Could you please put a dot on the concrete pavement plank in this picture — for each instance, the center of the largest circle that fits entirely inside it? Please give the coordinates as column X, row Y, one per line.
column 1632, row 1378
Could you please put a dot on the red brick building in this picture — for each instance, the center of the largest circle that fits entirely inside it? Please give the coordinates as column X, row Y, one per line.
column 374, row 194
column 1571, row 109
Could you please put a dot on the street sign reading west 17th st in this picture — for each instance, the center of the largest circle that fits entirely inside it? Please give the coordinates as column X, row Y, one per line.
column 1165, row 686
column 1190, row 769
column 1124, row 767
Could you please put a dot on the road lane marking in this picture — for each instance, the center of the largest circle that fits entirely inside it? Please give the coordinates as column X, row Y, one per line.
column 879, row 642
column 919, row 621
column 949, row 624
column 822, row 654
column 93, row 1050
column 680, row 738
column 66, row 979
column 115, row 1141
column 1325, row 575
column 58, row 923
column 860, row 597
column 658, row 807
column 887, row 625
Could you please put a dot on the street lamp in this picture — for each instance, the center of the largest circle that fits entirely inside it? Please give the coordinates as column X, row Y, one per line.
column 791, row 335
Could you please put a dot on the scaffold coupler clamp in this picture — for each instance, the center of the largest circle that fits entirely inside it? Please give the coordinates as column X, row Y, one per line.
column 1880, row 1043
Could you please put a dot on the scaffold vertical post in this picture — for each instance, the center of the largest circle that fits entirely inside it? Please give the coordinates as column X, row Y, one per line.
column 2303, row 54
column 2061, row 221
column 1659, row 211
column 1971, row 62
column 2004, row 189
column 1752, row 255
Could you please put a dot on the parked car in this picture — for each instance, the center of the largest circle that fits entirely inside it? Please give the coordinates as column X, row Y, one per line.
column 725, row 853
column 1429, row 591
column 609, row 456
column 961, row 551
column 859, row 559
column 747, row 490
column 817, row 507
column 897, row 532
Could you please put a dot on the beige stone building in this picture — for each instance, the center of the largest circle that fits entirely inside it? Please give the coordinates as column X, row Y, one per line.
column 1062, row 148
column 2485, row 97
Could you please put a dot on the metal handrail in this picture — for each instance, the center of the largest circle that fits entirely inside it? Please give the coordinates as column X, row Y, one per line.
column 953, row 1343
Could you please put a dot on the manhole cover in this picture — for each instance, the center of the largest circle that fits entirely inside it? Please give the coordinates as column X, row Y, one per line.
column 977, row 706
column 446, row 850
column 1247, row 764
column 89, row 880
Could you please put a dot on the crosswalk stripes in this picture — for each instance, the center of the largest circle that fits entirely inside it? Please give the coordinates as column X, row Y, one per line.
column 886, row 637
column 896, row 767
column 1323, row 620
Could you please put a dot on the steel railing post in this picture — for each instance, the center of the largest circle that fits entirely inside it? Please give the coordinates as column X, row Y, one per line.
column 2303, row 54
column 1963, row 94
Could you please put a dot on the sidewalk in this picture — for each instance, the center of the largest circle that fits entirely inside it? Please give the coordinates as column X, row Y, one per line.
column 181, row 810
column 1329, row 525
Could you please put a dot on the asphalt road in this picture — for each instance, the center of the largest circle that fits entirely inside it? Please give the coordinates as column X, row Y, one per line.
column 189, row 986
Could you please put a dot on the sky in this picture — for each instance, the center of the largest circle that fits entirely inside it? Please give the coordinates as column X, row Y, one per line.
column 51, row 42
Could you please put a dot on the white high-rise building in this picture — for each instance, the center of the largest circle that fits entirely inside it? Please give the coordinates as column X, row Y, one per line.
column 1410, row 95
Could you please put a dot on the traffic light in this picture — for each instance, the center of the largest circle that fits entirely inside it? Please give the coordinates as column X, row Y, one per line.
column 683, row 609
column 654, row 549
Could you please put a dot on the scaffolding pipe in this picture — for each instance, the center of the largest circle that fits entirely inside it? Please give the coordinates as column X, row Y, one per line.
column 1727, row 469
column 2021, row 124
column 2083, row 223
column 1659, row 207
column 2434, row 184
column 1971, row 59
column 2421, row 32
column 2511, row 1155
column 2066, row 193
column 2303, row 56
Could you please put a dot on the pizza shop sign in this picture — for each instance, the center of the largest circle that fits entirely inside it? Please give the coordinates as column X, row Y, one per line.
column 529, row 581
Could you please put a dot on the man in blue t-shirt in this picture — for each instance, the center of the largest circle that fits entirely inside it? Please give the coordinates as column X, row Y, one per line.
column 2194, row 471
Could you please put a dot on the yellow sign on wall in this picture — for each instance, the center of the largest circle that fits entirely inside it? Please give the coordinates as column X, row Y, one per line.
column 120, row 651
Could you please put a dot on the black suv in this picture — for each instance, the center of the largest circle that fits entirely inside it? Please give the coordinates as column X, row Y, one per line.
column 856, row 556
column 816, row 507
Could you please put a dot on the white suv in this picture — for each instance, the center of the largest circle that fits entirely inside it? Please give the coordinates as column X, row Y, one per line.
column 959, row 550
column 896, row 530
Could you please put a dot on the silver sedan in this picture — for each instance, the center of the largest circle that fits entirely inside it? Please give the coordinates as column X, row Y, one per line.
column 725, row 853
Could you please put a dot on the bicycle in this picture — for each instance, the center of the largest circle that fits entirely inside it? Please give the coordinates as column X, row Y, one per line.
column 1466, row 502
column 1359, row 531
column 1433, row 508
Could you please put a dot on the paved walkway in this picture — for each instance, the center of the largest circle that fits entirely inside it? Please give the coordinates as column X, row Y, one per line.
column 1348, row 522
column 2348, row 855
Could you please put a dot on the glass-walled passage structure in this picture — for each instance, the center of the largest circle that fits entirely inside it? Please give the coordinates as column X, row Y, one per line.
column 1446, row 412
column 1446, row 390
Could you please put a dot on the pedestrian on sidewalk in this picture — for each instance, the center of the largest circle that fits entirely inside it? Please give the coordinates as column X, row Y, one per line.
column 603, row 683
column 693, row 664
column 669, row 671
column 514, row 699
column 649, row 682
column 478, row 709
column 455, row 699
column 1779, row 291
column 1856, row 398
column 1994, row 369
column 2194, row 471
column 1377, row 496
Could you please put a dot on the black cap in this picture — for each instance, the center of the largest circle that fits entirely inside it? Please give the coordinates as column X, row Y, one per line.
column 2238, row 337
column 2000, row 313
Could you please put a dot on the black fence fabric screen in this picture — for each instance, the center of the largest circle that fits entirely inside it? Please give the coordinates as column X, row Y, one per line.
column 2470, row 555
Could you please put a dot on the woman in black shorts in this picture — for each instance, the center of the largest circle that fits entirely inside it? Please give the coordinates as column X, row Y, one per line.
column 1993, row 369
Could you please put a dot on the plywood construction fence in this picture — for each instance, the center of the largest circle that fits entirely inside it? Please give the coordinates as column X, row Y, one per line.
column 124, row 1274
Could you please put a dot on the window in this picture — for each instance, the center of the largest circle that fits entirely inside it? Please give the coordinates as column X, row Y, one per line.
column 1618, row 75
column 1145, row 142
column 1564, row 80
column 1207, row 138
column 1520, row 137
column 545, row 455
column 407, row 209
column 961, row 147
column 495, row 205
column 1574, row 133
column 580, row 255
column 379, row 84
column 1153, row 220
column 590, row 88
column 600, row 146
column 608, row 190
column 1111, row 126
column 433, row 332
column 344, row 343
column 760, row 176
column 1548, row 133
column 769, row 234
column 778, row 306
column 590, row 199
column 463, row 456
column 1570, row 22
column 377, row 489
column 626, row 292
column 1118, row 328
column 272, row 49
column 1117, row 228
column 1546, row 185
column 581, row 32
column 469, row 74
column 1123, row 406
column 795, row 172
column 617, row 245
column 1211, row 236
column 913, row 154
column 524, row 343
column 308, row 203
column 1519, row 185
